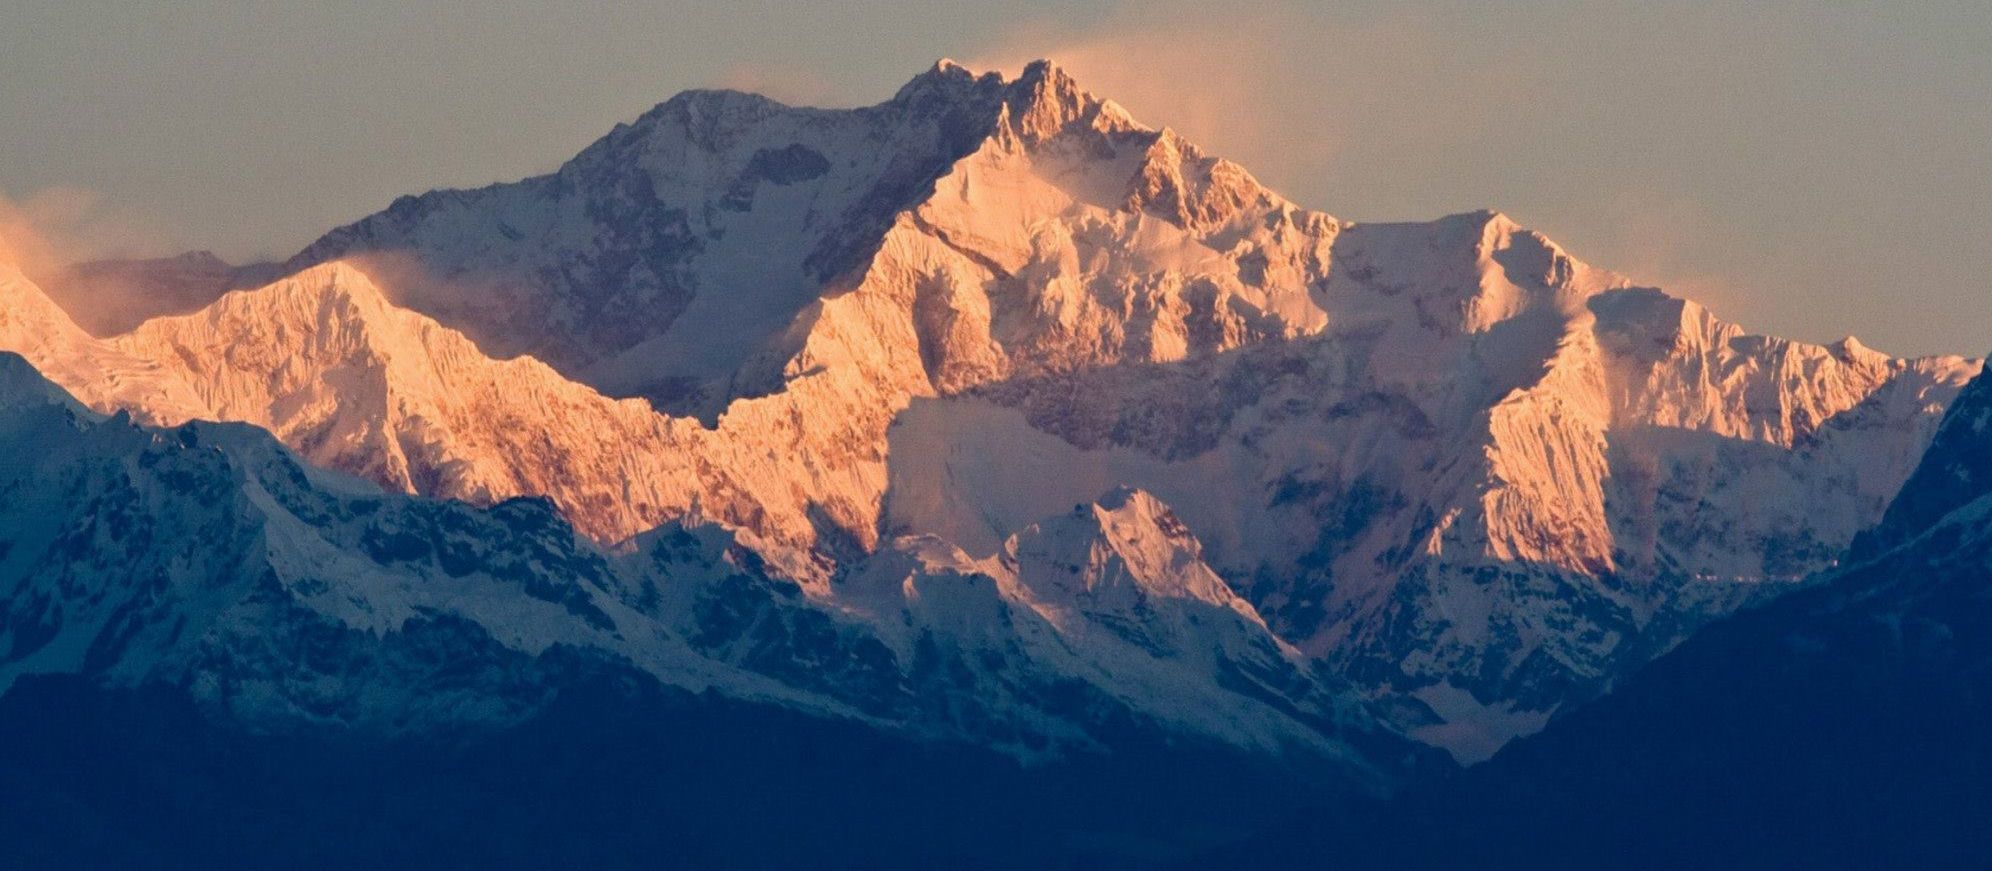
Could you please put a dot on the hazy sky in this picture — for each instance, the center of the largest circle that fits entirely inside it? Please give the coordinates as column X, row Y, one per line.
column 1809, row 169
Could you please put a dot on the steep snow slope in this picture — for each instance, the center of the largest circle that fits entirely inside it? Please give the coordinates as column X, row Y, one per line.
column 205, row 555
column 1116, row 588
column 355, row 383
column 351, row 382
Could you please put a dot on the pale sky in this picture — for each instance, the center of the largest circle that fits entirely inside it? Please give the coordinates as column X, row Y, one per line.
column 1806, row 169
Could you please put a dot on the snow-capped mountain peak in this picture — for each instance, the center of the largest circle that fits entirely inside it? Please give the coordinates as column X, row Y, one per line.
column 1045, row 102
column 1448, row 459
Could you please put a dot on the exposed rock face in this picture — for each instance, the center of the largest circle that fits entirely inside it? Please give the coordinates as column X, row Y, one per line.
column 1447, row 460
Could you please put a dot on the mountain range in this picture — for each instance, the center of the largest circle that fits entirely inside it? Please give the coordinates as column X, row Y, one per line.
column 987, row 418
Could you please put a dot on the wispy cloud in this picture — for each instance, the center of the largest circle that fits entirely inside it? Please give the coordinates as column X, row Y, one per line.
column 46, row 232
column 1279, row 89
column 50, row 228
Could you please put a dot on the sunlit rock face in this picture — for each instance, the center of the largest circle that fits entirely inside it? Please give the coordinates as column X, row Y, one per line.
column 1445, row 463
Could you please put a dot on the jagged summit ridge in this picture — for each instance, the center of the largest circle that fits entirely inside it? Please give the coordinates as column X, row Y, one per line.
column 661, row 216
column 672, row 210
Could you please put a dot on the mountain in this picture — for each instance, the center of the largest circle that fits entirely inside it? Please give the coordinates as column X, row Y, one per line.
column 1446, row 462
column 112, row 296
column 1840, row 727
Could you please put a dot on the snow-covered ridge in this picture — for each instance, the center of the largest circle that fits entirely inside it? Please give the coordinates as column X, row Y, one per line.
column 352, row 382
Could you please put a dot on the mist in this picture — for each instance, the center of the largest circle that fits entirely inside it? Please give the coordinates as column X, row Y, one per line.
column 79, row 249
